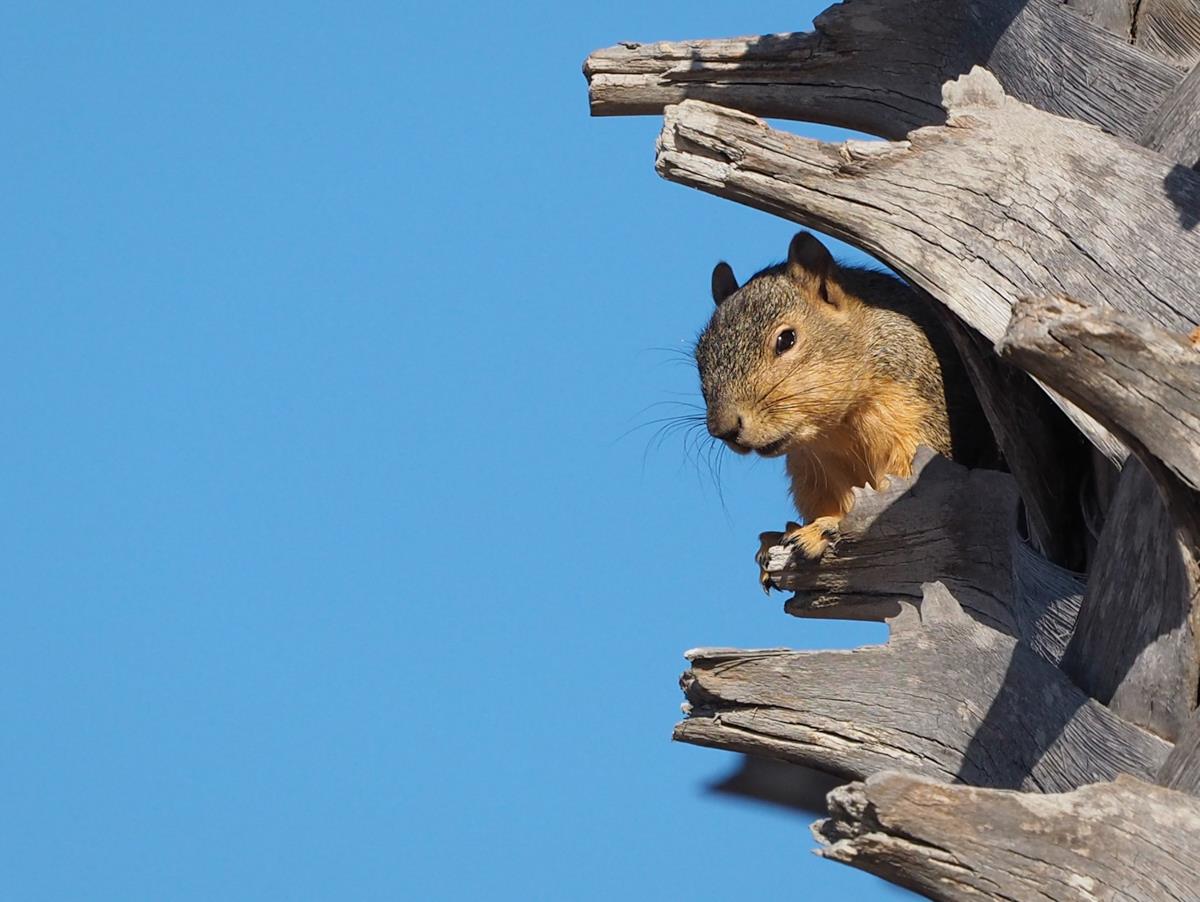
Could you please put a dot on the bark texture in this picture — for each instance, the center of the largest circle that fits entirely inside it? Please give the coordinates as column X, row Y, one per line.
column 1169, row 29
column 1120, row 840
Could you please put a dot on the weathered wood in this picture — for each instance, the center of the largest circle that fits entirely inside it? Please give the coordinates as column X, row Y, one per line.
column 947, row 697
column 1003, row 202
column 1114, row 16
column 1141, row 382
column 1045, row 600
column 1173, row 127
column 1181, row 770
column 1042, row 448
column 1134, row 648
column 1124, row 840
column 878, row 66
column 1169, row 29
column 945, row 522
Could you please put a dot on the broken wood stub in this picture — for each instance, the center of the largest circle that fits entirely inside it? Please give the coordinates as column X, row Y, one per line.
column 944, row 522
column 1124, row 839
column 878, row 66
column 947, row 697
column 1140, row 381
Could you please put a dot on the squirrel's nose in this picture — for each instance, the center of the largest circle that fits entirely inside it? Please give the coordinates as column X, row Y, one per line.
column 726, row 431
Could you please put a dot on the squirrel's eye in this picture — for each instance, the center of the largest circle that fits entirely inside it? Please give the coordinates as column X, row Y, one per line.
column 785, row 340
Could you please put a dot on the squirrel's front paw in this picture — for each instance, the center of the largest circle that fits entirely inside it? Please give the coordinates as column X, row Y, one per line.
column 777, row 550
column 813, row 539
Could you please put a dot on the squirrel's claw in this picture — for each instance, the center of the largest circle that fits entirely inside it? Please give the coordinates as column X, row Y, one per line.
column 767, row 541
column 779, row 550
column 765, row 580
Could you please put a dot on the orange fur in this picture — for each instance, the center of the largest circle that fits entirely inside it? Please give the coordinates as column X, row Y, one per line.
column 879, row 437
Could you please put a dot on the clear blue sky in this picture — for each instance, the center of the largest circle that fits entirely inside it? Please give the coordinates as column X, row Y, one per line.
column 328, row 574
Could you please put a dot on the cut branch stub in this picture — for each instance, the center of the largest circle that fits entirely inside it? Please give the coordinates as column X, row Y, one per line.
column 1141, row 382
column 878, row 66
column 1120, row 840
column 947, row 697
column 1003, row 202
column 945, row 522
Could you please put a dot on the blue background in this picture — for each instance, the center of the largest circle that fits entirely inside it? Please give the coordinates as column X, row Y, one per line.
column 331, row 567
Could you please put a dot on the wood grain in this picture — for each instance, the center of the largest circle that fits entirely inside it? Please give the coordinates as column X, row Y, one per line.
column 878, row 66
column 1173, row 127
column 1141, row 381
column 1001, row 203
column 947, row 697
column 1121, row 840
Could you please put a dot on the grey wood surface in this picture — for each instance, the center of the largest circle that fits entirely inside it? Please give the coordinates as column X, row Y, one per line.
column 1170, row 29
column 1000, row 204
column 878, row 66
column 947, row 697
column 1045, row 600
column 1114, row 16
column 1045, row 453
column 1122, row 840
column 1142, row 382
column 1134, row 648
column 1181, row 770
column 945, row 522
column 1173, row 127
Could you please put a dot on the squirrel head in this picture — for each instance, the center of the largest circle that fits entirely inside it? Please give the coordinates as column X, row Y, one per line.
column 778, row 361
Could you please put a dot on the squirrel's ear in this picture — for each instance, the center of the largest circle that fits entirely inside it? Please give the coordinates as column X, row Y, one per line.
column 809, row 263
column 724, row 283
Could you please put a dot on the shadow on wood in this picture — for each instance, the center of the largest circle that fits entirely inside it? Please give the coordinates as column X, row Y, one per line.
column 1134, row 647
column 945, row 523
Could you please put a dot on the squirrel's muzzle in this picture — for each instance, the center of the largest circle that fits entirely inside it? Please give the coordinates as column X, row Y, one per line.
column 726, row 423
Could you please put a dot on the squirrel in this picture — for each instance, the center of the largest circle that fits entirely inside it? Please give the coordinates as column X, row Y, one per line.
column 843, row 370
